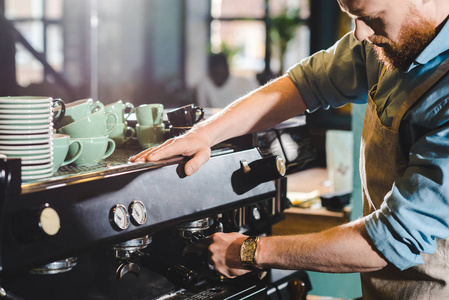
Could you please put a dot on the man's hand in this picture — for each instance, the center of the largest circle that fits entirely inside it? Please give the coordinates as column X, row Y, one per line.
column 224, row 252
column 191, row 144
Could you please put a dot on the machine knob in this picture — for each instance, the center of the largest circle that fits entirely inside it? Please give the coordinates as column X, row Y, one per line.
column 49, row 220
column 36, row 224
column 256, row 213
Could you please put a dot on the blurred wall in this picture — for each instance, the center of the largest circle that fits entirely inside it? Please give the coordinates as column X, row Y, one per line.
column 197, row 40
column 139, row 49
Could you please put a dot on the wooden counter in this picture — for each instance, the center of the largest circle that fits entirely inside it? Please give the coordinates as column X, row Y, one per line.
column 306, row 220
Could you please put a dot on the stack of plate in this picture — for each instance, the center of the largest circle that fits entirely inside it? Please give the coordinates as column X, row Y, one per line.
column 26, row 130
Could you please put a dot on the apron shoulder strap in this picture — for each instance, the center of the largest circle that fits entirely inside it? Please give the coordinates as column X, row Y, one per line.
column 417, row 92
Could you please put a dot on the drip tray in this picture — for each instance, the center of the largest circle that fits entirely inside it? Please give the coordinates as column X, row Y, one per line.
column 118, row 158
column 115, row 164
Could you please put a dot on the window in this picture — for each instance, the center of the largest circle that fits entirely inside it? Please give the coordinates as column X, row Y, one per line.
column 242, row 29
column 39, row 22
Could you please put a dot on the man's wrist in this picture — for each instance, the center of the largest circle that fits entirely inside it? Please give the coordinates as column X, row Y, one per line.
column 248, row 251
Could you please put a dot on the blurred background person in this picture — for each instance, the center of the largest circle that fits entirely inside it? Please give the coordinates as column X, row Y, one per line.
column 221, row 87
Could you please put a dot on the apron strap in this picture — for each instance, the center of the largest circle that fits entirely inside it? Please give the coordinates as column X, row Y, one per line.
column 416, row 93
column 373, row 89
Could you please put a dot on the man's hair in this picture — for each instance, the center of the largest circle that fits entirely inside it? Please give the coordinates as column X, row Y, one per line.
column 217, row 59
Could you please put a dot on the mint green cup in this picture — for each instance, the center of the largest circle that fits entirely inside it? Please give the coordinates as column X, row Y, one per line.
column 122, row 134
column 94, row 150
column 79, row 109
column 93, row 125
column 150, row 136
column 61, row 144
column 150, row 114
column 122, row 110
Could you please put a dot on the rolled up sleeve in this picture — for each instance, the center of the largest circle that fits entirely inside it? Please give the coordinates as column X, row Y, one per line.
column 337, row 76
column 415, row 212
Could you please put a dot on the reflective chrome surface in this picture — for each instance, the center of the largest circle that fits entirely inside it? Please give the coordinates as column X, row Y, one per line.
column 56, row 267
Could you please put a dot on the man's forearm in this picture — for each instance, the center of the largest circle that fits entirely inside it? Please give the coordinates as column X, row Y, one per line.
column 341, row 249
column 262, row 109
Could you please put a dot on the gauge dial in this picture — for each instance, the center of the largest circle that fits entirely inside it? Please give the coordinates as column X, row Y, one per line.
column 119, row 217
column 138, row 212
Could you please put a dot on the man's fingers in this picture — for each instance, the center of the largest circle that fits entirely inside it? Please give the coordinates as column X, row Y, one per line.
column 141, row 156
column 187, row 145
column 168, row 149
column 200, row 158
column 150, row 153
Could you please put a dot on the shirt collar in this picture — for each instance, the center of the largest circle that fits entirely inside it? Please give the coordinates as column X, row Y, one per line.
column 438, row 45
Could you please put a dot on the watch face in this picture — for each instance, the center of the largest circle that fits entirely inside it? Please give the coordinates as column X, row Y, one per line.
column 248, row 251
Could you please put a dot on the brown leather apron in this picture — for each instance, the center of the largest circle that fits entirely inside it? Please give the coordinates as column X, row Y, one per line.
column 382, row 160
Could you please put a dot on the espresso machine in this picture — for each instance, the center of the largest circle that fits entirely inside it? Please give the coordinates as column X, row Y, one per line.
column 121, row 230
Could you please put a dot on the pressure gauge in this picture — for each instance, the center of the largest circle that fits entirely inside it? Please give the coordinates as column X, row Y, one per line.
column 138, row 212
column 119, row 217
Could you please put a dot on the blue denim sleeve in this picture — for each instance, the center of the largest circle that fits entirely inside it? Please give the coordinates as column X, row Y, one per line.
column 416, row 211
column 341, row 74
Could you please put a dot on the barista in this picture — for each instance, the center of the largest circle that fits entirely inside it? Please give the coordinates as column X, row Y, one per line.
column 397, row 61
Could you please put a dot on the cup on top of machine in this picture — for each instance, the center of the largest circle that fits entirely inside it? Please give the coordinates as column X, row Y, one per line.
column 150, row 136
column 79, row 109
column 92, row 125
column 185, row 116
column 94, row 150
column 150, row 114
column 122, row 110
column 61, row 144
column 58, row 111
column 122, row 134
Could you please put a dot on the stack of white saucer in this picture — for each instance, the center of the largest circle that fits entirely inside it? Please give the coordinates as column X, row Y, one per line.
column 26, row 132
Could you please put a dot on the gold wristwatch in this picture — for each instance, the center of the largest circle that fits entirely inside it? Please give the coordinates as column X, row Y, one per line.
column 248, row 251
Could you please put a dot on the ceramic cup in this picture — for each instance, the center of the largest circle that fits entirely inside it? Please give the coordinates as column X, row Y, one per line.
column 122, row 110
column 185, row 116
column 177, row 131
column 58, row 107
column 94, row 150
column 93, row 125
column 122, row 134
column 79, row 109
column 61, row 144
column 150, row 114
column 150, row 136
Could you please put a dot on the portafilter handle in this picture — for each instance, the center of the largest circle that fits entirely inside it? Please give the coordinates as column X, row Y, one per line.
column 175, row 273
column 265, row 169
column 252, row 174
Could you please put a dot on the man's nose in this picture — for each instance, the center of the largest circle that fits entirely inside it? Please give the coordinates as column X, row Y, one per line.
column 362, row 31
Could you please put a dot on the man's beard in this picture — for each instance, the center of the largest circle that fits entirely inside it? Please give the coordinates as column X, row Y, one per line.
column 414, row 36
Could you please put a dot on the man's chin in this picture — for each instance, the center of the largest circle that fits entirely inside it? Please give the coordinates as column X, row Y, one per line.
column 384, row 58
